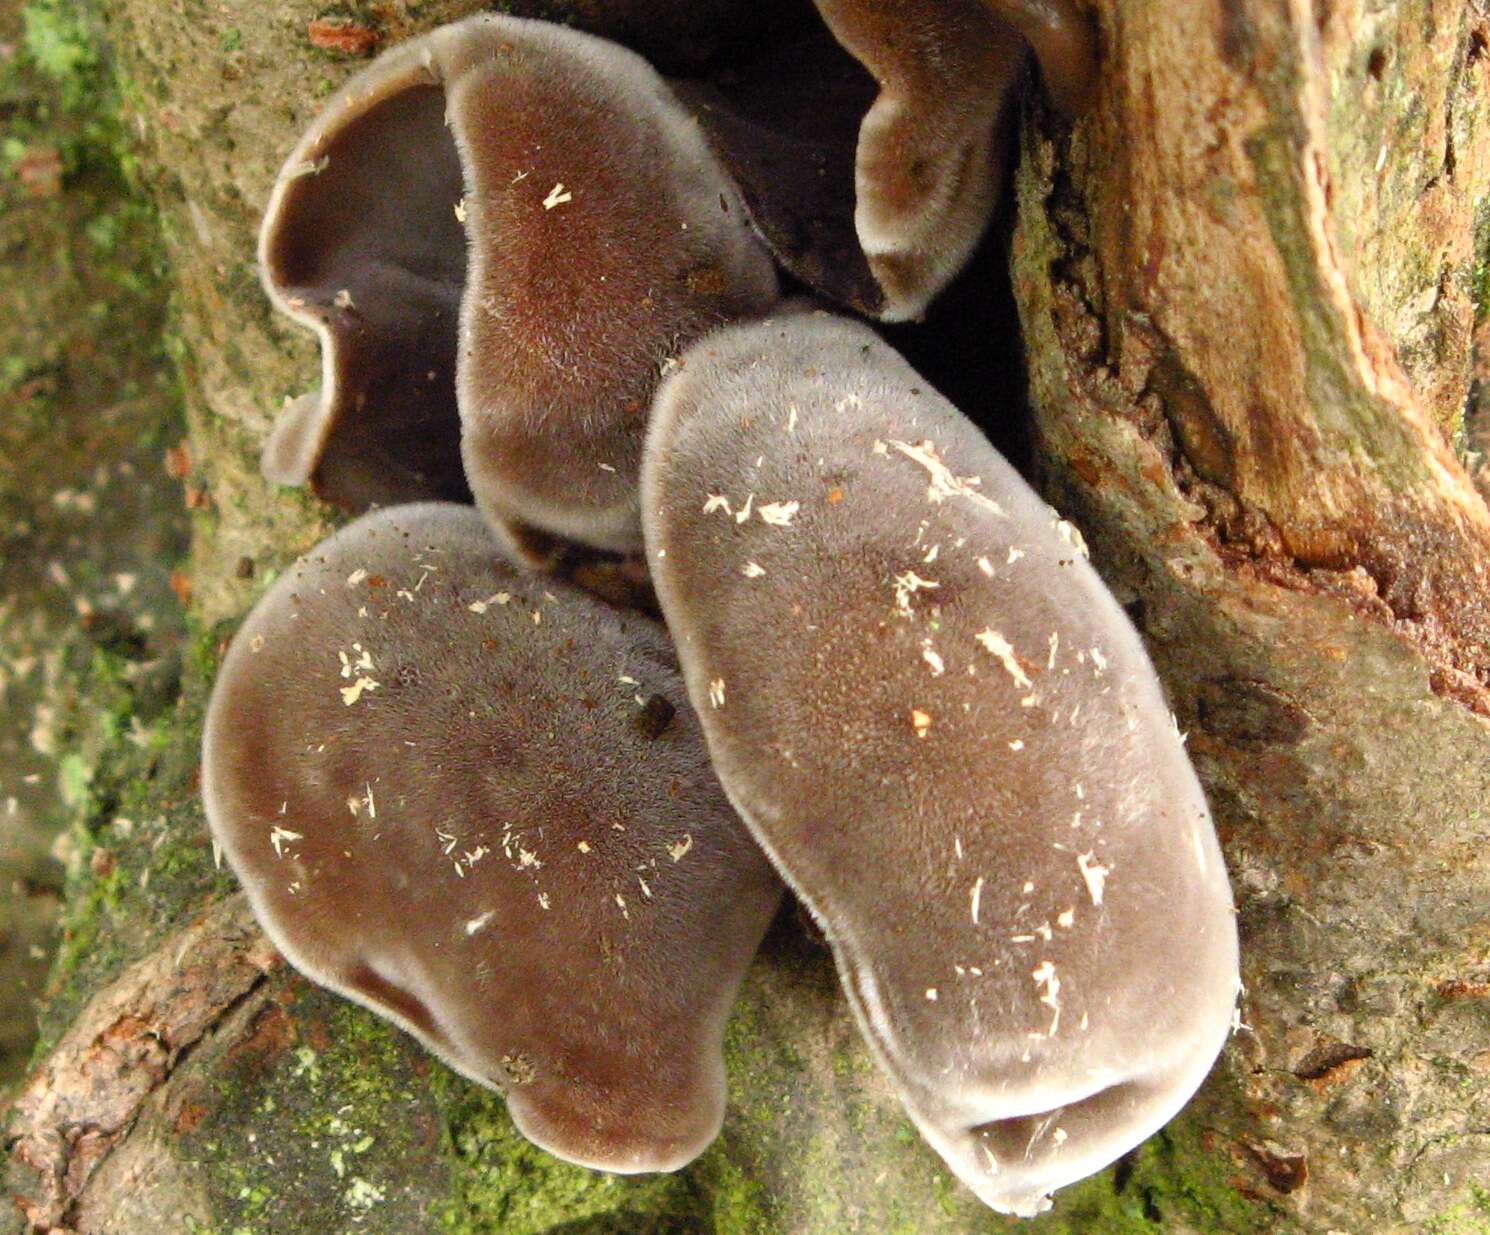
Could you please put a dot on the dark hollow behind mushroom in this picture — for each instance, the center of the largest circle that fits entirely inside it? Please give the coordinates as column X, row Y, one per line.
column 785, row 122
column 693, row 38
column 479, row 803
column 947, row 735
column 871, row 151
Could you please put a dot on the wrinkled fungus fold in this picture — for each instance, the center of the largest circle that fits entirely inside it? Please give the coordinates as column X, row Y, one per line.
column 512, row 224
column 359, row 243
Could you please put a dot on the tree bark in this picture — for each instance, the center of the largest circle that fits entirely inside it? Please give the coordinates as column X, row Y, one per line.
column 1248, row 284
column 1249, row 280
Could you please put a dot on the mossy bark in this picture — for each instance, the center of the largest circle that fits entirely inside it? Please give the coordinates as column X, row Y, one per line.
column 1249, row 281
column 90, row 524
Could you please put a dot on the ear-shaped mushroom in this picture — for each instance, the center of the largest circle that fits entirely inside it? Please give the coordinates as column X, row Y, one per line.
column 947, row 735
column 882, row 217
column 361, row 243
column 479, row 804
column 603, row 237
column 931, row 148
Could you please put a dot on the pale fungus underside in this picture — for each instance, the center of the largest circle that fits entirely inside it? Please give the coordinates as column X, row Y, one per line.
column 946, row 734
column 478, row 802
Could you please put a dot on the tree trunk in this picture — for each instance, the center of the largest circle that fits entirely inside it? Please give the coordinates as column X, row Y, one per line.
column 1249, row 281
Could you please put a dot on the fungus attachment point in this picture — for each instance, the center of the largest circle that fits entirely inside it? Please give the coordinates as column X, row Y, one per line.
column 479, row 804
column 548, row 184
column 947, row 735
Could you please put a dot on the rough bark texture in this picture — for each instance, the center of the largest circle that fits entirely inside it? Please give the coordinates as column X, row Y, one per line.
column 90, row 525
column 1250, row 336
column 1248, row 285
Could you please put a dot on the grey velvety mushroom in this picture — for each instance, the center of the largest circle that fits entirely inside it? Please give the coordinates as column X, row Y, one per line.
column 947, row 735
column 603, row 237
column 479, row 803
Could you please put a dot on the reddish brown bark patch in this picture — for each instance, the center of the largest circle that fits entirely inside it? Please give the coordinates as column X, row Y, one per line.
column 122, row 1048
column 342, row 35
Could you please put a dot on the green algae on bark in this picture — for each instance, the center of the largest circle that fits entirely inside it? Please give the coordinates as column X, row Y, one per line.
column 90, row 525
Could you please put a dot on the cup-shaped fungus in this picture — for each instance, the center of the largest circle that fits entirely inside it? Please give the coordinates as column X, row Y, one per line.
column 927, row 162
column 601, row 235
column 479, row 803
column 947, row 735
column 361, row 243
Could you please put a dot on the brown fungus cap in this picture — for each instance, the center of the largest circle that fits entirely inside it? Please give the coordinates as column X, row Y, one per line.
column 604, row 237
column 479, row 804
column 945, row 732
column 545, row 187
column 872, row 164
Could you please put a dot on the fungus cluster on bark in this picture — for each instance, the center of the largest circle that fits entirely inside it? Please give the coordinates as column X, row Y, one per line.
column 477, row 801
column 483, row 803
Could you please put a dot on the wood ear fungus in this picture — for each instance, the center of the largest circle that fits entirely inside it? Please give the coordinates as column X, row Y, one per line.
column 947, row 735
column 604, row 238
column 360, row 243
column 873, row 165
column 549, row 184
column 931, row 148
column 479, row 803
